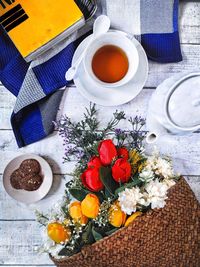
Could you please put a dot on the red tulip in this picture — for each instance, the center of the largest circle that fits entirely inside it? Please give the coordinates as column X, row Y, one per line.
column 121, row 171
column 107, row 152
column 94, row 162
column 91, row 179
column 123, row 153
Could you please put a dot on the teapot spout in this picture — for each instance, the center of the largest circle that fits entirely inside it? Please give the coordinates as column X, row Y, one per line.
column 151, row 137
column 156, row 133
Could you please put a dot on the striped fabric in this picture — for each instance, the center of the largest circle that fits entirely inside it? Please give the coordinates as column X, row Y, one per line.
column 153, row 22
column 36, row 85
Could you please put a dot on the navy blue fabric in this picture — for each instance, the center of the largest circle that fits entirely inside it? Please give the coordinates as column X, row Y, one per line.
column 165, row 47
column 175, row 15
column 13, row 67
column 162, row 48
column 28, row 127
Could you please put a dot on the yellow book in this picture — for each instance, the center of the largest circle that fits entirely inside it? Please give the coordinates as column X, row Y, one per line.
column 36, row 25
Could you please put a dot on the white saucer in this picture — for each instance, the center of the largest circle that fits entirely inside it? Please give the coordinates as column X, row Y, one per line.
column 23, row 196
column 111, row 96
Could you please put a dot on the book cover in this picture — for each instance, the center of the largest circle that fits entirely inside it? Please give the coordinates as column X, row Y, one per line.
column 32, row 25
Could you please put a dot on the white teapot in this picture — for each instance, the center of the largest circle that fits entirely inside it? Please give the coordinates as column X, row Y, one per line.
column 174, row 107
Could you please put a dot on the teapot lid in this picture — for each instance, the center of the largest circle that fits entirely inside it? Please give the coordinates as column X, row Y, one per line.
column 183, row 102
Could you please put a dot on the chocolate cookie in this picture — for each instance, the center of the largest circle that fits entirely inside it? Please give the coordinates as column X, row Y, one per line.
column 30, row 166
column 31, row 182
column 15, row 178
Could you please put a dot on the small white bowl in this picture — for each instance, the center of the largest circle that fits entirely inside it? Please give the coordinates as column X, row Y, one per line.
column 21, row 195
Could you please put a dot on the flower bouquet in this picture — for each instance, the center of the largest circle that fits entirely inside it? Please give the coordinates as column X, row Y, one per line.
column 122, row 208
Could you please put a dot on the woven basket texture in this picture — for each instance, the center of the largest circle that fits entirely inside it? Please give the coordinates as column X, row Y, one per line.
column 160, row 238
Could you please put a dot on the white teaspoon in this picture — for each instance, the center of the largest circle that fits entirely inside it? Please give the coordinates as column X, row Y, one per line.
column 101, row 25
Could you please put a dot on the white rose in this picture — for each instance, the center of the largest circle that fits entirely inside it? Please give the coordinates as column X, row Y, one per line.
column 164, row 168
column 160, row 166
column 156, row 193
column 146, row 175
column 129, row 199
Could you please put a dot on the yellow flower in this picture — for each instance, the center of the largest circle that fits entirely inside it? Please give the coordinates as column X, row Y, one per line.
column 58, row 233
column 117, row 217
column 76, row 213
column 133, row 217
column 66, row 222
column 135, row 161
column 90, row 206
column 141, row 166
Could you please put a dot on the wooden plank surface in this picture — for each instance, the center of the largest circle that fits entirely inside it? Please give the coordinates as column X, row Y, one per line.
column 189, row 21
column 20, row 245
column 19, row 233
column 13, row 210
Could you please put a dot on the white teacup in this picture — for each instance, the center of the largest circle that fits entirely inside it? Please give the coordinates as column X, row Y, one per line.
column 121, row 41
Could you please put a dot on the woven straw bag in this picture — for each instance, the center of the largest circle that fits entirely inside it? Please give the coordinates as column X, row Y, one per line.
column 160, row 238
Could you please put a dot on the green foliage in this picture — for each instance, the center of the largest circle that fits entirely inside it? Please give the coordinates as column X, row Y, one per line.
column 102, row 220
column 78, row 193
column 66, row 252
column 107, row 180
column 112, row 231
column 97, row 236
column 41, row 218
column 87, row 236
column 118, row 116
column 136, row 135
column 81, row 138
column 135, row 182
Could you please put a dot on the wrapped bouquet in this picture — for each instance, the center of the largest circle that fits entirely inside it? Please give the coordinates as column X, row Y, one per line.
column 114, row 185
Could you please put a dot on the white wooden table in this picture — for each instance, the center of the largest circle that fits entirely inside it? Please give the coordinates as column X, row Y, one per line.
column 19, row 233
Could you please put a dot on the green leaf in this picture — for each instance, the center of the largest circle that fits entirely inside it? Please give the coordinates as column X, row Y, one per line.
column 107, row 194
column 66, row 252
column 78, row 193
column 128, row 185
column 97, row 236
column 99, row 195
column 107, row 180
column 65, row 210
column 111, row 231
column 87, row 236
